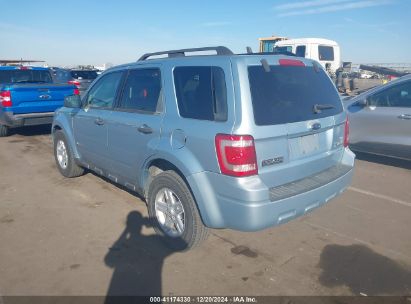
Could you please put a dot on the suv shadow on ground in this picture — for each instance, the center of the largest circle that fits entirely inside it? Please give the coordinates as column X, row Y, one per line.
column 137, row 261
column 363, row 271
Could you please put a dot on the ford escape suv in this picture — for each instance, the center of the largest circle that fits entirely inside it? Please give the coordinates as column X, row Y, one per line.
column 213, row 141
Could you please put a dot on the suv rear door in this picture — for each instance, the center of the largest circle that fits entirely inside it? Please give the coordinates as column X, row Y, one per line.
column 299, row 120
column 134, row 127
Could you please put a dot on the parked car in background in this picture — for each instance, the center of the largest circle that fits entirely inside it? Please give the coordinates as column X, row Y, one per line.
column 29, row 97
column 80, row 78
column 380, row 119
column 227, row 141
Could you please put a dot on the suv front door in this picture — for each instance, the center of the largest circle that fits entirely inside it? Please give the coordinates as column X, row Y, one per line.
column 90, row 123
column 135, row 124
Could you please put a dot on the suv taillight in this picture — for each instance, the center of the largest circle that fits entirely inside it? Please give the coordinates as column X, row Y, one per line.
column 346, row 133
column 5, row 99
column 236, row 155
column 76, row 92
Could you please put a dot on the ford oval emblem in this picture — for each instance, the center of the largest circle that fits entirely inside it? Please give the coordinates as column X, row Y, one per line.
column 45, row 96
column 316, row 126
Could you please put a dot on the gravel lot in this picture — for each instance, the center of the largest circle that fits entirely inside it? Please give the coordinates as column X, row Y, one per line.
column 86, row 236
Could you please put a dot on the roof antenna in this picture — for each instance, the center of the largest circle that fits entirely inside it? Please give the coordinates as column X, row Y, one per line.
column 266, row 66
column 249, row 50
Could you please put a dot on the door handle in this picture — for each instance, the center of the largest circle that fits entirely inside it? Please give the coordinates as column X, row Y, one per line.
column 145, row 129
column 405, row 116
column 99, row 122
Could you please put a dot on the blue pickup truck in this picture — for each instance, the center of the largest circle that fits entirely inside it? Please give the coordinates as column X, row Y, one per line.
column 29, row 97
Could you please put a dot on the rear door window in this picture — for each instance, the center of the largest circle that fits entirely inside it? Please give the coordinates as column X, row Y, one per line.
column 325, row 53
column 142, row 91
column 288, row 94
column 201, row 92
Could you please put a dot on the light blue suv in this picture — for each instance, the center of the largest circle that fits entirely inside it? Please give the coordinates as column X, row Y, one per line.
column 222, row 141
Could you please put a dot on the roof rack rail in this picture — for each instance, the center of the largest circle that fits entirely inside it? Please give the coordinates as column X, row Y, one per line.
column 221, row 50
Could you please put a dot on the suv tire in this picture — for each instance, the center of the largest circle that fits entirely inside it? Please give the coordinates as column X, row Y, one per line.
column 168, row 190
column 64, row 157
column 4, row 131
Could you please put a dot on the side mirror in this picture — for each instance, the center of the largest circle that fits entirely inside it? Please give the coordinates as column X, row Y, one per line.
column 362, row 103
column 72, row 101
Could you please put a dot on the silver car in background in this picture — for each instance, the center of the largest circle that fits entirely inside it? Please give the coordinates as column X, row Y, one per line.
column 380, row 120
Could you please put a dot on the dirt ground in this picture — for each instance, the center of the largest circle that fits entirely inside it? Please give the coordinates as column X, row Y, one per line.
column 86, row 236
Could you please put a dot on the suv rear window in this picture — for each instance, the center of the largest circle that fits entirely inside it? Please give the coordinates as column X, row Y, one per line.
column 25, row 76
column 84, row 74
column 288, row 94
column 201, row 92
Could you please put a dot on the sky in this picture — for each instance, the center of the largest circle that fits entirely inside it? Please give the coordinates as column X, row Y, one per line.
column 68, row 33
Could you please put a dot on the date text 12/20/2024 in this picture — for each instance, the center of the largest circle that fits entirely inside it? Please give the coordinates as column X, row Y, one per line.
column 171, row 299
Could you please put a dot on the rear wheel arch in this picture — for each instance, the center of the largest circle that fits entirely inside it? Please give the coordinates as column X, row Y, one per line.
column 154, row 168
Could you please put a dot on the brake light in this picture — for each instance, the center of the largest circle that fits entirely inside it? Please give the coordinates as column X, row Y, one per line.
column 291, row 62
column 5, row 99
column 236, row 155
column 74, row 82
column 76, row 92
column 346, row 133
column 25, row 68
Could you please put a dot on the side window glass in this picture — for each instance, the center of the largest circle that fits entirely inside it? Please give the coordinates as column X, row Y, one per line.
column 396, row 96
column 142, row 91
column 103, row 93
column 326, row 53
column 300, row 51
column 201, row 92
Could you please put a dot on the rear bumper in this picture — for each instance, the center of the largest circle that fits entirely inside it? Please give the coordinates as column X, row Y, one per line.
column 252, row 206
column 31, row 119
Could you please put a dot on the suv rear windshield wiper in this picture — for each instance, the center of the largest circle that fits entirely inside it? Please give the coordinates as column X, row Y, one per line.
column 317, row 108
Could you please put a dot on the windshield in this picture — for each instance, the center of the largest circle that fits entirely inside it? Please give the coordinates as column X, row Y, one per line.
column 25, row 76
column 289, row 94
